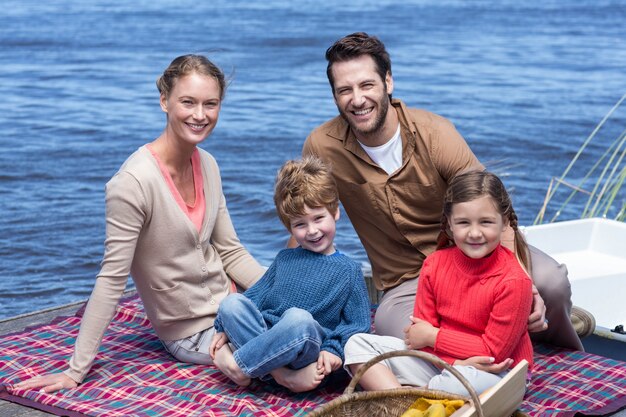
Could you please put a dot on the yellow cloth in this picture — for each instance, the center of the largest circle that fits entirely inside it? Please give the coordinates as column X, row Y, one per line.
column 423, row 407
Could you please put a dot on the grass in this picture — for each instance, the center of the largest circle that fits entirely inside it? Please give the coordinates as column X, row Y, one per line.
column 599, row 192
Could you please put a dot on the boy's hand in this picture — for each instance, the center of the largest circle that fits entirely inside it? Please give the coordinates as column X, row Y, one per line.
column 328, row 362
column 419, row 334
column 537, row 320
column 219, row 340
column 486, row 363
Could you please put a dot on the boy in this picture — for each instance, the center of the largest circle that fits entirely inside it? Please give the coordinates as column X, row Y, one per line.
column 293, row 323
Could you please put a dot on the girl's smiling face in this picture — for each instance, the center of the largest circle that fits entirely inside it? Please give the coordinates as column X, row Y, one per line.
column 476, row 226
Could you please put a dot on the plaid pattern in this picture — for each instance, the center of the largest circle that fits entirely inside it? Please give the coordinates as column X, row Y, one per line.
column 566, row 382
column 134, row 376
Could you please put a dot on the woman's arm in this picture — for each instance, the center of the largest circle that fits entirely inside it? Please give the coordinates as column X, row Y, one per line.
column 238, row 263
column 124, row 220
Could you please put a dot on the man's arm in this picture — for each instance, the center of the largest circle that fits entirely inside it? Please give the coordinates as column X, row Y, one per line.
column 537, row 320
column 291, row 243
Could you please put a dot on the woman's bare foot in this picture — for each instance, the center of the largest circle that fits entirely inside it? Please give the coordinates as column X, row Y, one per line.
column 225, row 362
column 299, row 380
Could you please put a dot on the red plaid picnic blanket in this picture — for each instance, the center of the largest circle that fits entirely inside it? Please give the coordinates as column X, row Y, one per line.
column 134, row 376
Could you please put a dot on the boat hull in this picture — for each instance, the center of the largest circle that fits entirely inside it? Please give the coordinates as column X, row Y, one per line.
column 594, row 251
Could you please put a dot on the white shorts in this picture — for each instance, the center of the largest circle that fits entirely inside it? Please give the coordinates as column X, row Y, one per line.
column 192, row 349
column 410, row 370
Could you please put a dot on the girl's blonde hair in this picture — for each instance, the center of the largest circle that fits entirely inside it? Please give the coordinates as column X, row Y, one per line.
column 307, row 182
column 476, row 184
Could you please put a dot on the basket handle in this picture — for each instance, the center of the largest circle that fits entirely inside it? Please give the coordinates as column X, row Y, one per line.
column 422, row 355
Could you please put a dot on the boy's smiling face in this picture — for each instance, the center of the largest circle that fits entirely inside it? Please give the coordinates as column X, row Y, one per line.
column 315, row 230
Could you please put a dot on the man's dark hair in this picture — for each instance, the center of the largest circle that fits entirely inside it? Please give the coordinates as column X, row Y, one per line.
column 353, row 46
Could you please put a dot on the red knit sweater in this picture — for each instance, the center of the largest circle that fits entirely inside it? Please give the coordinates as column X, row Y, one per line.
column 481, row 306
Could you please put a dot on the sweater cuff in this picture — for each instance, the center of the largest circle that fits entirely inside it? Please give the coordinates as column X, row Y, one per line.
column 333, row 348
column 76, row 377
column 447, row 344
column 217, row 324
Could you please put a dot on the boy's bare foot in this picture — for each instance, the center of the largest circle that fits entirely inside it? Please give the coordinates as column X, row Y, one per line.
column 225, row 362
column 299, row 380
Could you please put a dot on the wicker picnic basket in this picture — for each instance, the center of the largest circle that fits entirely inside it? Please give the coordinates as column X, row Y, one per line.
column 393, row 402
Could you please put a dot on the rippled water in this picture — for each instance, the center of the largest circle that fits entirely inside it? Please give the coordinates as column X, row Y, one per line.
column 524, row 82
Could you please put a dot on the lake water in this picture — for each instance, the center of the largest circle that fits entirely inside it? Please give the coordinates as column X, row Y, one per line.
column 525, row 82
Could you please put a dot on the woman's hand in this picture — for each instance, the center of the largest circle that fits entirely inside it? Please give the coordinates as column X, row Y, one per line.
column 537, row 320
column 486, row 363
column 48, row 383
column 328, row 362
column 219, row 340
column 420, row 334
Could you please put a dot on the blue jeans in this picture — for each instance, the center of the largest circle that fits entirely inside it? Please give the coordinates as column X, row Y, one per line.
column 294, row 341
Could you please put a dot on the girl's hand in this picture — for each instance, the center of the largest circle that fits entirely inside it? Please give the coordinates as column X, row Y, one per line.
column 486, row 363
column 48, row 383
column 420, row 334
column 328, row 362
column 219, row 340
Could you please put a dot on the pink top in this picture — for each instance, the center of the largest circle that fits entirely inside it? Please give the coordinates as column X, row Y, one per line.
column 195, row 212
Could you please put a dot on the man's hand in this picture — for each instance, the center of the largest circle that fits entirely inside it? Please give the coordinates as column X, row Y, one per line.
column 537, row 320
column 328, row 362
column 486, row 363
column 48, row 383
column 420, row 334
column 219, row 340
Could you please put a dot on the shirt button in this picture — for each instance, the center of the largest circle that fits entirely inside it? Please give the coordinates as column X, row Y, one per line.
column 203, row 269
column 199, row 246
column 212, row 301
column 203, row 285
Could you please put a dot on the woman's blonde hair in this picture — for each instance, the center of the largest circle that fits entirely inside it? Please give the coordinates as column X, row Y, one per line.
column 188, row 64
column 306, row 182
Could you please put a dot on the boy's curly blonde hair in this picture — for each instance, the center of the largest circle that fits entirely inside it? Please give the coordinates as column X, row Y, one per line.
column 306, row 182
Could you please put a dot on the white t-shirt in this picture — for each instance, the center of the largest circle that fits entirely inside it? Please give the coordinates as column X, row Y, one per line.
column 388, row 156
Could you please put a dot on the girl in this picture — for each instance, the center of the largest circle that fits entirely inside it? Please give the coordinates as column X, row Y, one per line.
column 168, row 227
column 473, row 298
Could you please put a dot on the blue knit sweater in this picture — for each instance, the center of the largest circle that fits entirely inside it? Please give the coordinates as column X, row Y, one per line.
column 330, row 287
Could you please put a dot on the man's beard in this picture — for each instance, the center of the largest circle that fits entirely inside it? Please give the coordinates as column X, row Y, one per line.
column 378, row 123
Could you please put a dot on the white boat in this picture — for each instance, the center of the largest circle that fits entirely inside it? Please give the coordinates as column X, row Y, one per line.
column 594, row 251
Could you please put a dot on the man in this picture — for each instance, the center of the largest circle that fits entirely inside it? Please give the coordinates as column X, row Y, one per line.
column 392, row 165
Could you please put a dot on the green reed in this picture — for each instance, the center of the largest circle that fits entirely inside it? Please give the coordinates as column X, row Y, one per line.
column 601, row 184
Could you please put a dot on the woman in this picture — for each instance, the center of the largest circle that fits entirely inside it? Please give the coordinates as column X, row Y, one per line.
column 168, row 227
